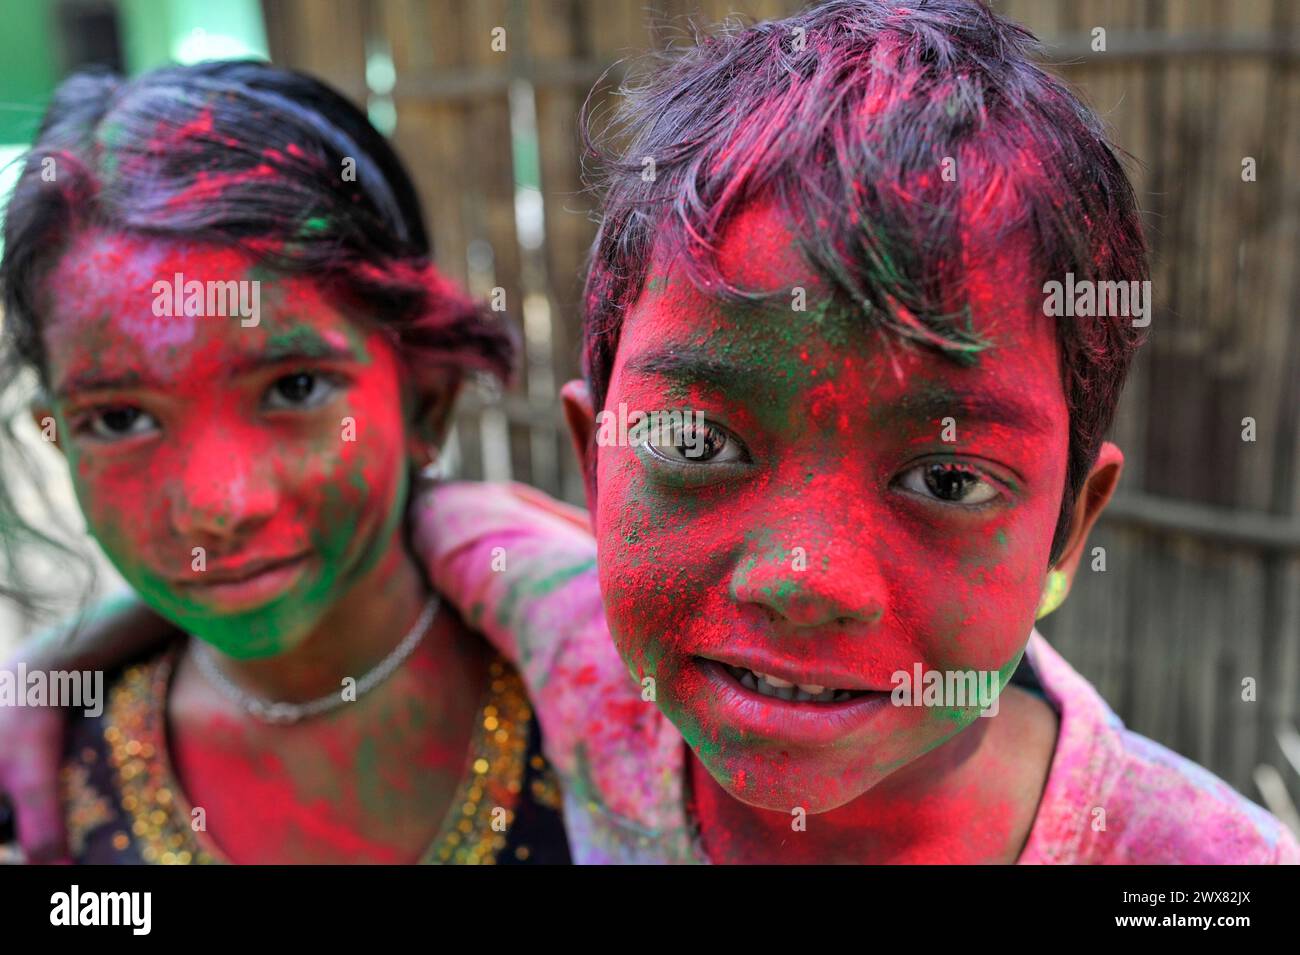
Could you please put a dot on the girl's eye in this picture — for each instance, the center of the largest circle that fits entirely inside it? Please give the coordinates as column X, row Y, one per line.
column 693, row 442
column 950, row 483
column 301, row 390
column 114, row 424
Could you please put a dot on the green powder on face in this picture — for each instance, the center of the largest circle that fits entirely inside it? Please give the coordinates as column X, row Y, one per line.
column 302, row 339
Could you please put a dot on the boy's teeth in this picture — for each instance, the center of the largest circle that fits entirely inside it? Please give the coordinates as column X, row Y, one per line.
column 768, row 685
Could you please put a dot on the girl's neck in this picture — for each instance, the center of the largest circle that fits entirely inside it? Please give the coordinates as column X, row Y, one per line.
column 360, row 630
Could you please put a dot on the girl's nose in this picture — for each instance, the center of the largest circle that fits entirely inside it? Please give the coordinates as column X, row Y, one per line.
column 224, row 491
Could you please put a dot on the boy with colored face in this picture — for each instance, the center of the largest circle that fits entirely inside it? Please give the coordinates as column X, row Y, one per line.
column 889, row 461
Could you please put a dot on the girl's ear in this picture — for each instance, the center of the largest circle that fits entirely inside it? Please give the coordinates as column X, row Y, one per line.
column 47, row 424
column 431, row 418
column 581, row 418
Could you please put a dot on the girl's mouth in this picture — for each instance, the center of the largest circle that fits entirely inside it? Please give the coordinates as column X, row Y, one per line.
column 246, row 587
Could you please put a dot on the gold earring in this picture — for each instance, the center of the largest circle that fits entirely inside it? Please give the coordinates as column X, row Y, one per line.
column 1055, row 590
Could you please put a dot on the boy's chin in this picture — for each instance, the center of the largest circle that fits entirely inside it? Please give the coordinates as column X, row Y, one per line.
column 799, row 784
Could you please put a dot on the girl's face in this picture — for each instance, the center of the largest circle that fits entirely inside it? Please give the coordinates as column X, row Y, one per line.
column 836, row 529
column 241, row 473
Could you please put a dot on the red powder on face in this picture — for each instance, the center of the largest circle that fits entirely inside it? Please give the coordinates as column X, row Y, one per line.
column 704, row 568
column 219, row 461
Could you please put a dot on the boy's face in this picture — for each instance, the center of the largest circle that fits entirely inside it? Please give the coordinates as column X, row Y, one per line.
column 828, row 536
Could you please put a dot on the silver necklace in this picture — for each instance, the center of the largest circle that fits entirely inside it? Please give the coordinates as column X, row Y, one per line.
column 278, row 712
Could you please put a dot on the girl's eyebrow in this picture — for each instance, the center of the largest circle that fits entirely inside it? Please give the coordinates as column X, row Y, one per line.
column 313, row 349
column 96, row 381
column 275, row 354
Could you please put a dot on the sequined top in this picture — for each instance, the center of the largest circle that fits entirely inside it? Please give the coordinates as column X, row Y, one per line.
column 124, row 804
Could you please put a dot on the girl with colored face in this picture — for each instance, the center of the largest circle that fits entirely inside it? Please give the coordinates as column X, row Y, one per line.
column 242, row 479
column 246, row 359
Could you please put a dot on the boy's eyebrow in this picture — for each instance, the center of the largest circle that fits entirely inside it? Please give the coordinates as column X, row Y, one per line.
column 275, row 354
column 998, row 408
column 691, row 366
column 966, row 405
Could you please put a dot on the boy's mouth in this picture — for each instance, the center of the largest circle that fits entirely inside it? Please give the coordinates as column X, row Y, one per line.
column 759, row 705
column 765, row 684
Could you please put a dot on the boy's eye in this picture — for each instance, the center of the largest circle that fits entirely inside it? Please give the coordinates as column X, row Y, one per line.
column 950, row 483
column 690, row 442
column 114, row 424
column 300, row 390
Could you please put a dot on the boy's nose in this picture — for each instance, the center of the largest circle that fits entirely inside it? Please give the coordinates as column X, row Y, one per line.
column 811, row 590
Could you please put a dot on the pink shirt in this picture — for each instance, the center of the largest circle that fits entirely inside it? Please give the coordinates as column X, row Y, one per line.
column 521, row 567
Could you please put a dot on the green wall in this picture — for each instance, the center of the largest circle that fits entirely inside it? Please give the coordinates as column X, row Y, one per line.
column 153, row 32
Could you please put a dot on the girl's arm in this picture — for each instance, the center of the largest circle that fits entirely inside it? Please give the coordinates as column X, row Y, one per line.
column 31, row 737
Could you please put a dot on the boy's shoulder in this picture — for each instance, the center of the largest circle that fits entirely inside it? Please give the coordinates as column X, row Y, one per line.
column 1116, row 797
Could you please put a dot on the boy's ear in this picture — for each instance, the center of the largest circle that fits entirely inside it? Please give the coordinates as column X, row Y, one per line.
column 432, row 418
column 47, row 425
column 581, row 418
column 1095, row 494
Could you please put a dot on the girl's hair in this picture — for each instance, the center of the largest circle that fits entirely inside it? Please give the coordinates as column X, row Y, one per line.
column 237, row 153
column 849, row 115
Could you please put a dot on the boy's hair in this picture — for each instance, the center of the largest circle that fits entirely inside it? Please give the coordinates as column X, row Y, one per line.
column 845, row 115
